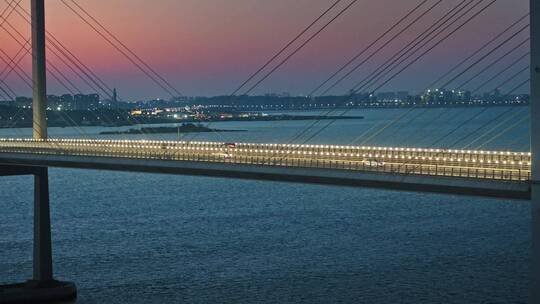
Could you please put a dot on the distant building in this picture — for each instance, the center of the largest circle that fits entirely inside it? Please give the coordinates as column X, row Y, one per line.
column 386, row 96
column 54, row 102
column 86, row 102
column 179, row 99
column 402, row 95
column 23, row 102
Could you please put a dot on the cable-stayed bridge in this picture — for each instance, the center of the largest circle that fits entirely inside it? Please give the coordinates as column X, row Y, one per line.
column 506, row 174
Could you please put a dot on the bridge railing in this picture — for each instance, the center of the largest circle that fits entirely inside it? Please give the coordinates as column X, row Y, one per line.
column 511, row 166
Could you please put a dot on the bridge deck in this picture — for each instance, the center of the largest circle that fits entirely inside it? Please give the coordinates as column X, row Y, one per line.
column 492, row 173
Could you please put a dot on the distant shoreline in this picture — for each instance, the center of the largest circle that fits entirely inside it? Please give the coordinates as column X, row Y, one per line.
column 185, row 128
column 141, row 121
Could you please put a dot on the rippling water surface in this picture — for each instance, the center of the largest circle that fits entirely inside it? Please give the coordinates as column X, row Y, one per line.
column 140, row 238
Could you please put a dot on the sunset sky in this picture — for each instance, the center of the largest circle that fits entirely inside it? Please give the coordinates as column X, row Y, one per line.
column 208, row 47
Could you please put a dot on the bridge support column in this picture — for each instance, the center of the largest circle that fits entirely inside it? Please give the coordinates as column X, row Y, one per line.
column 43, row 271
column 535, row 149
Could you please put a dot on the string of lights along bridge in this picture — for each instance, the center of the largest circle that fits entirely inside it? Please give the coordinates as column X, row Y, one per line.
column 492, row 165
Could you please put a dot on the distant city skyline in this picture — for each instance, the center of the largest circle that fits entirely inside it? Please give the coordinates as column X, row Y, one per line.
column 207, row 48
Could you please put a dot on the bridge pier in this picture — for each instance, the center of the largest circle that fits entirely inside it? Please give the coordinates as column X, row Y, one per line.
column 42, row 228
